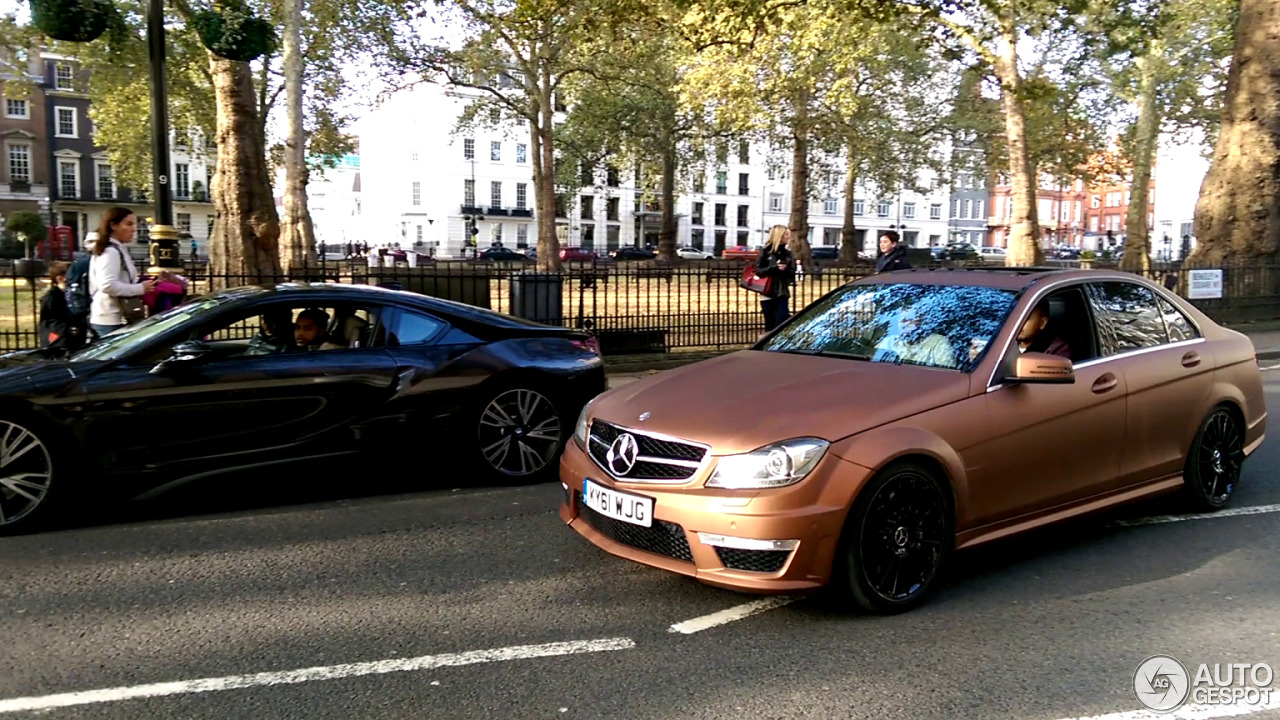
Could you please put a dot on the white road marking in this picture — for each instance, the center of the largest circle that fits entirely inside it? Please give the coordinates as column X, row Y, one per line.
column 330, row 672
column 1193, row 712
column 1229, row 512
column 1270, row 367
column 688, row 627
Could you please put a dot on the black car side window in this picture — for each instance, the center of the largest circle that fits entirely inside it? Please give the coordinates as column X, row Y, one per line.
column 413, row 328
column 1128, row 317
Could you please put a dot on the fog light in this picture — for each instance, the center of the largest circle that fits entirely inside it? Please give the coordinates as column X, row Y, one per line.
column 737, row 543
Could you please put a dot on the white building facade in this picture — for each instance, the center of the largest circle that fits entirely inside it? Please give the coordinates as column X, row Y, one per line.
column 425, row 188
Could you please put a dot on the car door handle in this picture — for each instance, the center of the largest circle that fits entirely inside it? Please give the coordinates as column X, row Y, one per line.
column 1105, row 383
column 1191, row 359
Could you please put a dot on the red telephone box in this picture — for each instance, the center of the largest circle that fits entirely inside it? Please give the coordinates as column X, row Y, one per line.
column 59, row 245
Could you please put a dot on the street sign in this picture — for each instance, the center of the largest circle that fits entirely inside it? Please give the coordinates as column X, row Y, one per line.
column 1205, row 284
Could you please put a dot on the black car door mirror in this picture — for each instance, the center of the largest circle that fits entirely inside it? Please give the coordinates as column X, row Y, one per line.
column 185, row 355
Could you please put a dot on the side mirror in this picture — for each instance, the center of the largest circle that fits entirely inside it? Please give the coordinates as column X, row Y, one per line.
column 185, row 355
column 1041, row 368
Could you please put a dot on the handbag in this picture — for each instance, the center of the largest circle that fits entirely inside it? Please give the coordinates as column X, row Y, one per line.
column 132, row 309
column 753, row 282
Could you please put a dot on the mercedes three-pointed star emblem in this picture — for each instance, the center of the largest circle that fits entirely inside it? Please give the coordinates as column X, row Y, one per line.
column 622, row 454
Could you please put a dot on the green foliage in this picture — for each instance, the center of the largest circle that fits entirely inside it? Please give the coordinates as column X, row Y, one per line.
column 234, row 33
column 27, row 223
column 72, row 20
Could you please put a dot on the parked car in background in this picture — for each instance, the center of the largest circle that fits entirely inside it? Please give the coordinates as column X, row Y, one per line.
column 693, row 253
column 900, row 418
column 221, row 384
column 503, row 254
column 577, row 254
column 960, row 252
column 992, row 254
column 825, row 252
column 740, row 252
column 632, row 253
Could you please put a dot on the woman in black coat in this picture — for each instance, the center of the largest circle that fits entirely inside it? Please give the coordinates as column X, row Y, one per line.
column 776, row 262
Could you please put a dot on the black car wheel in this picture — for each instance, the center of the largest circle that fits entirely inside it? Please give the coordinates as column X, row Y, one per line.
column 1213, row 467
column 899, row 533
column 520, row 431
column 26, row 476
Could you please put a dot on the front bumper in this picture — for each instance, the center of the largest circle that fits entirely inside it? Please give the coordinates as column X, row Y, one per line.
column 806, row 517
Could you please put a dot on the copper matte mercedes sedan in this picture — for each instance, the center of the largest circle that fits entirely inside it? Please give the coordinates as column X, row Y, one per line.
column 909, row 414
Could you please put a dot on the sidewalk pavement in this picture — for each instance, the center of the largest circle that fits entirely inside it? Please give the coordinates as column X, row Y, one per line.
column 1265, row 337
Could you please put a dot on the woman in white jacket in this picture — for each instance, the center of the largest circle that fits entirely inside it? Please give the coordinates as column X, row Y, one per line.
column 112, row 274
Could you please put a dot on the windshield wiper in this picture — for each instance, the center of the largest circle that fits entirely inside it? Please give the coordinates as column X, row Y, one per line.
column 826, row 353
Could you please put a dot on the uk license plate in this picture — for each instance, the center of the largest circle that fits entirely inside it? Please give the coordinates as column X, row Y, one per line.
column 634, row 509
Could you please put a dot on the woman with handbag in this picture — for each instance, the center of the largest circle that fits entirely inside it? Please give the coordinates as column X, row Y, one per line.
column 775, row 266
column 113, row 279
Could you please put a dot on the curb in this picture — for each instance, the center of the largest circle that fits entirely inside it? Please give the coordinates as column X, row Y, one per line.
column 1269, row 354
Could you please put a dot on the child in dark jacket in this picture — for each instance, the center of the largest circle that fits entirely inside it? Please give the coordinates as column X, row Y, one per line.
column 57, row 330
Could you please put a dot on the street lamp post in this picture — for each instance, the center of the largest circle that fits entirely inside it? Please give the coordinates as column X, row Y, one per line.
column 164, row 236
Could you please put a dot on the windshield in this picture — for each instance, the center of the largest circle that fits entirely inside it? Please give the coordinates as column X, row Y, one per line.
column 942, row 326
column 127, row 338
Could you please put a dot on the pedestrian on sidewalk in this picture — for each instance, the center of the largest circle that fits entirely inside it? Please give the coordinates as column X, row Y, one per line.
column 113, row 279
column 892, row 255
column 776, row 262
column 58, row 331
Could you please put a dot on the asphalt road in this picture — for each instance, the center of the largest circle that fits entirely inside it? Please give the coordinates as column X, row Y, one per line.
column 381, row 594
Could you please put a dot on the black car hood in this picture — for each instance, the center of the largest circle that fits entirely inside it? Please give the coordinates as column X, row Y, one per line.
column 32, row 372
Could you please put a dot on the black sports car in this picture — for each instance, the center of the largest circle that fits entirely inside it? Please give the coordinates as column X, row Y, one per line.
column 254, row 376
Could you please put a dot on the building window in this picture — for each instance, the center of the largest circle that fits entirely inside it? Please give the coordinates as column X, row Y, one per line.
column 742, row 215
column 522, row 196
column 495, row 194
column 720, row 213
column 611, row 176
column 182, row 180
column 698, row 238
column 588, row 237
column 17, row 109
column 495, row 235
column 612, row 237
column 418, row 234
column 522, row 153
column 20, row 162
column 744, row 152
column 968, row 208
column 416, row 192
column 700, row 182
column 744, row 184
column 882, row 210
column 697, row 213
column 588, row 208
column 469, row 193
column 829, row 206
column 611, row 209
column 978, row 208
column 62, row 79
column 469, row 149
column 935, row 211
column 495, row 151
column 66, row 126
column 68, row 178
column 909, row 210
column 183, row 222
column 859, row 207
column 106, row 182
column 414, row 156
column 775, row 202
column 722, row 183
column 522, row 236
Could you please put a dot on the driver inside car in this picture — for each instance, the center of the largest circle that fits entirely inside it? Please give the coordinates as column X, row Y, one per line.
column 915, row 344
column 273, row 334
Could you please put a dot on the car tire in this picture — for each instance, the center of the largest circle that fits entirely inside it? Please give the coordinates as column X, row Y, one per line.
column 902, row 519
column 1212, row 470
column 518, row 429
column 31, row 473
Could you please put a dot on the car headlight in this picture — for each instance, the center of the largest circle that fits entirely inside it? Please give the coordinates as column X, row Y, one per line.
column 580, row 430
column 778, row 465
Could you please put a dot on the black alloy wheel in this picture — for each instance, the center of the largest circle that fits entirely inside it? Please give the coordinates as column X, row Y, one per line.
column 26, row 475
column 520, row 432
column 896, row 540
column 1214, row 463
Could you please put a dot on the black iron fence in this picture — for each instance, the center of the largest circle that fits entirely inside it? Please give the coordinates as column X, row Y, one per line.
column 640, row 306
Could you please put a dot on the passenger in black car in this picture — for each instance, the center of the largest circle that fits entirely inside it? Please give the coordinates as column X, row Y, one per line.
column 309, row 329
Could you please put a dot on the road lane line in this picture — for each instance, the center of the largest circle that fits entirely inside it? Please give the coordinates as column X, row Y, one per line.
column 688, row 627
column 312, row 674
column 1229, row 512
column 1192, row 712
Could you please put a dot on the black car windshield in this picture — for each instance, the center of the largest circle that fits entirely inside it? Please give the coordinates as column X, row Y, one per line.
column 942, row 326
column 125, row 339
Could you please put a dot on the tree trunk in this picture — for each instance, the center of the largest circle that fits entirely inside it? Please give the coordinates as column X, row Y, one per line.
column 298, row 240
column 799, row 222
column 544, row 177
column 667, row 231
column 244, row 248
column 848, row 245
column 1137, row 245
column 1024, row 227
column 1238, row 213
